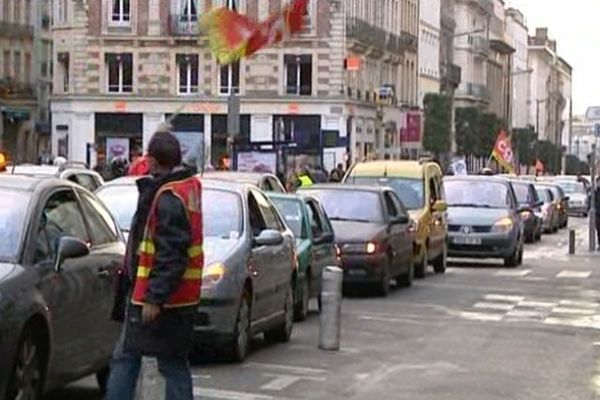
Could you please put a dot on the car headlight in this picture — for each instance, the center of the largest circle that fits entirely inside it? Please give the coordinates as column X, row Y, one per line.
column 502, row 225
column 526, row 214
column 361, row 248
column 212, row 275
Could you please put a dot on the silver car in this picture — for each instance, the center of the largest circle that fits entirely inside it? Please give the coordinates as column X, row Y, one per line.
column 548, row 212
column 250, row 264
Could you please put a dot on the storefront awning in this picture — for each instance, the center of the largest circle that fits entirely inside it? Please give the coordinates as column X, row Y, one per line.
column 16, row 113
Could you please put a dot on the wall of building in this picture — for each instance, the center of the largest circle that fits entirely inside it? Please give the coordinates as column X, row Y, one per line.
column 517, row 35
column 429, row 47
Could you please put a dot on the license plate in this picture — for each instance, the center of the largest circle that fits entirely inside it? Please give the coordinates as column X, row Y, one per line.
column 471, row 241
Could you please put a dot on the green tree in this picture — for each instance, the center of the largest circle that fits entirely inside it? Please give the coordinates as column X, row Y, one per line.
column 467, row 121
column 438, row 114
column 523, row 141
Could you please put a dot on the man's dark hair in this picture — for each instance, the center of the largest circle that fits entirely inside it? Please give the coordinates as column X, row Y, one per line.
column 165, row 149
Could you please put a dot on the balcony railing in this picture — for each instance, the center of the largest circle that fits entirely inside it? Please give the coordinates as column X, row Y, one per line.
column 394, row 44
column 15, row 31
column 366, row 33
column 486, row 5
column 409, row 40
column 478, row 91
column 479, row 44
column 184, row 25
column 10, row 89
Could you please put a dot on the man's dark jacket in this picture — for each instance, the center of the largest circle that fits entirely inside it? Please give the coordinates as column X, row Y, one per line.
column 171, row 333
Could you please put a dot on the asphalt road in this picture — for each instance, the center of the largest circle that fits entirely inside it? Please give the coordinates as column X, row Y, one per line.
column 479, row 332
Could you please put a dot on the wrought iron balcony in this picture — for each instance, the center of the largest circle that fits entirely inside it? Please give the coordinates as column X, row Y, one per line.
column 367, row 34
column 9, row 89
column 184, row 25
column 15, row 31
column 479, row 44
column 409, row 40
column 478, row 91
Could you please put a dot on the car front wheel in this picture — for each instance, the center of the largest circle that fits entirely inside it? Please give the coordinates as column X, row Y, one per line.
column 27, row 374
column 283, row 332
column 240, row 343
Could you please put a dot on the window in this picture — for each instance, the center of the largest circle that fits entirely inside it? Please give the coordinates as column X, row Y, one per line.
column 121, row 11
column 298, row 69
column 17, row 66
column 61, row 11
column 314, row 219
column 257, row 224
column 433, row 192
column 61, row 217
column 188, row 10
column 27, row 67
column 187, row 66
column 6, row 61
column 230, row 78
column 17, row 12
column 120, row 73
column 63, row 66
column 87, row 181
column 268, row 212
column 309, row 17
column 6, row 11
column 390, row 205
column 102, row 226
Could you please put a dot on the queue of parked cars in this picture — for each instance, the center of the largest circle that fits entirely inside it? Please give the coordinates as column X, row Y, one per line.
column 63, row 236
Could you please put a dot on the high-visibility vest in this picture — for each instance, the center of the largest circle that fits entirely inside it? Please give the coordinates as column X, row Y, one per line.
column 189, row 192
column 305, row 180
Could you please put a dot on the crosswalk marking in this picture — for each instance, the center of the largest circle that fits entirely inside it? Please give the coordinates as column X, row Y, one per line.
column 494, row 306
column 569, row 274
column 511, row 273
column 206, row 393
column 289, row 368
column 503, row 297
column 578, row 303
column 479, row 316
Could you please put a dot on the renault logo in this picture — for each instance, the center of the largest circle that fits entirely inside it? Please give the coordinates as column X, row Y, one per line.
column 467, row 229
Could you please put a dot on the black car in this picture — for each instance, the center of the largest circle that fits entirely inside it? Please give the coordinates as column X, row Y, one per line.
column 483, row 219
column 59, row 249
column 373, row 231
column 527, row 198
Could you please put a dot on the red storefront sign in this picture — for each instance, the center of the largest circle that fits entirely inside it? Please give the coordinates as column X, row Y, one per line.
column 410, row 127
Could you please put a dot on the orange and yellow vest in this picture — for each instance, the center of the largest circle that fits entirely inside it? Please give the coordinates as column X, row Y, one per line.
column 189, row 192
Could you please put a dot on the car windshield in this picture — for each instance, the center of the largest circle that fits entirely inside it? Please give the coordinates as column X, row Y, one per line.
column 543, row 194
column 572, row 187
column 350, row 205
column 522, row 193
column 477, row 193
column 221, row 210
column 291, row 211
column 12, row 222
column 410, row 190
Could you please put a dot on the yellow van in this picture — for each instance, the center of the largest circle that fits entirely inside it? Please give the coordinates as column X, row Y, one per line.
column 419, row 186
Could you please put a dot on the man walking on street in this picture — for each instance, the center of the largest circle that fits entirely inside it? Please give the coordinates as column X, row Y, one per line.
column 164, row 264
column 337, row 174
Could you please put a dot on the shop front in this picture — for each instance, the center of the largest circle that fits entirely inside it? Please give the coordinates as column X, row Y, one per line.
column 117, row 135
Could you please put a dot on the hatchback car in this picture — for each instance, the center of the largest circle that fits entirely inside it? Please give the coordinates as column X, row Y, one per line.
column 528, row 199
column 579, row 198
column 420, row 187
column 549, row 212
column 562, row 204
column 250, row 264
column 266, row 182
column 72, row 171
column 315, row 244
column 484, row 220
column 372, row 229
column 59, row 248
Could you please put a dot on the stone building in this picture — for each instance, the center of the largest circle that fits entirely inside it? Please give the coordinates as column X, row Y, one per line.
column 339, row 91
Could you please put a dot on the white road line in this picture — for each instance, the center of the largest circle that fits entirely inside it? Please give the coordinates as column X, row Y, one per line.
column 503, row 297
column 476, row 316
column 567, row 274
column 526, row 314
column 537, row 304
column 573, row 311
column 206, row 393
column 201, row 376
column 495, row 306
column 281, row 382
column 521, row 273
column 288, row 368
column 578, row 303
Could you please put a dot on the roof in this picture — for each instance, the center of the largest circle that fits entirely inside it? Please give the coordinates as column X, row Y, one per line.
column 344, row 187
column 409, row 169
column 38, row 170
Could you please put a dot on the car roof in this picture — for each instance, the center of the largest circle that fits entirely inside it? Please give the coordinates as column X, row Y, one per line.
column 35, row 170
column 410, row 169
column 123, row 181
column 482, row 178
column 235, row 175
column 31, row 183
column 232, row 186
column 345, row 187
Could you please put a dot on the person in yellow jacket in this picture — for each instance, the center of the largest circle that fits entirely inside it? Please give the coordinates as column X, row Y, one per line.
column 304, row 178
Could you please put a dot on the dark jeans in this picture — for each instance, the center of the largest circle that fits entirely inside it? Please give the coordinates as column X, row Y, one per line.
column 598, row 231
column 125, row 368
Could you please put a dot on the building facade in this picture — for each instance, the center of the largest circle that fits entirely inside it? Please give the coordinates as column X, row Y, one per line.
column 517, row 36
column 24, row 87
column 471, row 51
column 429, row 47
column 548, row 102
column 340, row 91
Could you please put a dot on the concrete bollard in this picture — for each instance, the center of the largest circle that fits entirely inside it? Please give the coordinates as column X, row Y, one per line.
column 331, row 309
column 151, row 385
column 571, row 241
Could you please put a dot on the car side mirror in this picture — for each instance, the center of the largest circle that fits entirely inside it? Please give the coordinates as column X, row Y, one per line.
column 324, row 238
column 539, row 204
column 69, row 247
column 268, row 237
column 439, row 206
column 401, row 220
column 567, row 198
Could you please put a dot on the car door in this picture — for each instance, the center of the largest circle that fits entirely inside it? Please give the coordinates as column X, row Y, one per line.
column 322, row 251
column 281, row 255
column 107, row 253
column 437, row 227
column 69, row 293
column 276, row 186
column 87, row 181
column 394, row 231
column 406, row 240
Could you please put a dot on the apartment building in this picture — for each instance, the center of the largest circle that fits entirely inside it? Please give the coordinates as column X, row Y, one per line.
column 25, row 44
column 450, row 72
column 341, row 90
column 550, row 87
column 429, row 47
column 517, row 36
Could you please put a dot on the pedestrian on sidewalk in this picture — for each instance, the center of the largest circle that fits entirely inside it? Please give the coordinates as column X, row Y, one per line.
column 597, row 207
column 161, row 280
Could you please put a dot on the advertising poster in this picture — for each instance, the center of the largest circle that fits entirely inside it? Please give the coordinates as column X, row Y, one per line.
column 190, row 141
column 117, row 147
column 255, row 161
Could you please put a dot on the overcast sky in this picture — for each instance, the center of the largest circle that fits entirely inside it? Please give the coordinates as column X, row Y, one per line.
column 575, row 25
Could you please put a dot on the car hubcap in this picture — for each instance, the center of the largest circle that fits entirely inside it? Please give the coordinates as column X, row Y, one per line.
column 27, row 373
column 242, row 327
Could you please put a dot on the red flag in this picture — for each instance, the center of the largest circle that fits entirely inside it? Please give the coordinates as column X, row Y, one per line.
column 233, row 36
column 503, row 152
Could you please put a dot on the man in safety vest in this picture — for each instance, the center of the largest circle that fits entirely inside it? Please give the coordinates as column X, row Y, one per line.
column 164, row 264
column 304, row 178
